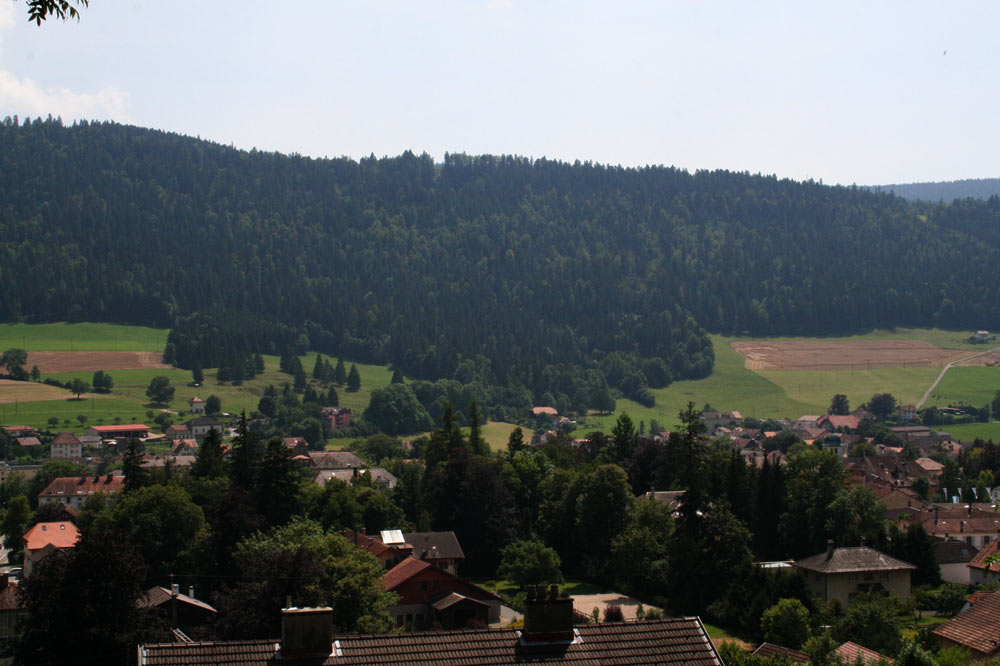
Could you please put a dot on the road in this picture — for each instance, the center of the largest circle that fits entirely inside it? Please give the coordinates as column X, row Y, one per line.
column 945, row 369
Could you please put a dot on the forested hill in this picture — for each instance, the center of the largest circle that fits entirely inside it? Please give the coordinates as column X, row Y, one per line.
column 500, row 271
column 974, row 188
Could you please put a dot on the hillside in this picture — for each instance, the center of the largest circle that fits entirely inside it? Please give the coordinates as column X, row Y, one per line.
column 522, row 280
column 947, row 191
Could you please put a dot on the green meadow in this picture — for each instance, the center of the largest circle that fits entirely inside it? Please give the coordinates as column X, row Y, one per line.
column 81, row 337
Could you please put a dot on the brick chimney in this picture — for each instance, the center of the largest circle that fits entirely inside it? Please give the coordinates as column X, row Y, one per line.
column 829, row 548
column 548, row 618
column 305, row 632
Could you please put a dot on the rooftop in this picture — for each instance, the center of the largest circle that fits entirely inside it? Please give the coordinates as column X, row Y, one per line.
column 977, row 627
column 848, row 560
column 62, row 534
column 673, row 641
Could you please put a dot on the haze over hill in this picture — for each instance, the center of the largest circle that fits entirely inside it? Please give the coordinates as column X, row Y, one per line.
column 524, row 278
column 946, row 191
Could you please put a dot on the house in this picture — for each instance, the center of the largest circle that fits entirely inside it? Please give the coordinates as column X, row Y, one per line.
column 716, row 419
column 954, row 557
column 906, row 413
column 335, row 460
column 839, row 423
column 808, row 422
column 27, row 442
column 980, row 337
column 177, row 462
column 196, row 405
column 429, row 595
column 184, row 447
column 548, row 637
column 975, row 526
column 852, row 653
column 16, row 431
column 773, row 651
column 975, row 629
column 933, row 469
column 337, row 418
column 175, row 432
column 840, row 573
column 46, row 538
column 182, row 611
column 124, row 432
column 200, row 425
column 74, row 490
column 984, row 565
column 391, row 547
column 897, row 471
column 297, row 446
column 66, row 445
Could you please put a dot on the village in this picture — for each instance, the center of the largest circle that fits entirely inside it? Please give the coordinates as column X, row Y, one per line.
column 909, row 469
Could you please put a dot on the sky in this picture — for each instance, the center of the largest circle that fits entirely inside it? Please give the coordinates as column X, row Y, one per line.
column 844, row 92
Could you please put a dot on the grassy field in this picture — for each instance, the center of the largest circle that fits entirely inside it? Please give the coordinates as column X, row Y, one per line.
column 81, row 337
column 793, row 393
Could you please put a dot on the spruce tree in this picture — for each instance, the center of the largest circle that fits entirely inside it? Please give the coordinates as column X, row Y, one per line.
column 515, row 442
column 197, row 376
column 300, row 376
column 332, row 399
column 476, row 443
column 136, row 475
column 209, row 462
column 353, row 379
column 258, row 362
column 397, row 377
column 319, row 369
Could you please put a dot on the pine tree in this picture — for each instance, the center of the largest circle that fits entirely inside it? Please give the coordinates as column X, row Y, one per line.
column 136, row 476
column 319, row 370
column 397, row 377
column 197, row 376
column 515, row 442
column 332, row 399
column 300, row 376
column 353, row 379
column 476, row 443
column 258, row 362
column 340, row 374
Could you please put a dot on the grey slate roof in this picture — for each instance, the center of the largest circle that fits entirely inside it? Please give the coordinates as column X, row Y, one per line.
column 424, row 543
column 672, row 641
column 848, row 560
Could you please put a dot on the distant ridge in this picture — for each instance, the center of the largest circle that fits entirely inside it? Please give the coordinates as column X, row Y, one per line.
column 975, row 188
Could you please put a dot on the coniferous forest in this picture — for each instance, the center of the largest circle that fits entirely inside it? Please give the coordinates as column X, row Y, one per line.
column 518, row 276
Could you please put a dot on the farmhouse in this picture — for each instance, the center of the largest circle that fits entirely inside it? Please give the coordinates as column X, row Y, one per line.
column 20, row 431
column 196, row 405
column 73, row 491
column 66, row 445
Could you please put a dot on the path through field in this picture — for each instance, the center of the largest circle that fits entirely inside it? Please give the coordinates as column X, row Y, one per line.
column 946, row 368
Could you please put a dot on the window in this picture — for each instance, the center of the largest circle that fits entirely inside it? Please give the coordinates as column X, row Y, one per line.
column 884, row 575
column 869, row 575
column 852, row 578
column 423, row 586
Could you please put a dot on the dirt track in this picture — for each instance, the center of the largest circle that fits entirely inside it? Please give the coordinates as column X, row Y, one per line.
column 89, row 361
column 842, row 355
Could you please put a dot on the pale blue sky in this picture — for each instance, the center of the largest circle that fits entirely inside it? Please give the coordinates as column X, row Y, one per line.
column 845, row 92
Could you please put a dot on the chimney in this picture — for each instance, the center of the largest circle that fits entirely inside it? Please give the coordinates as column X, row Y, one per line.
column 961, row 527
column 305, row 632
column 191, row 591
column 864, row 541
column 548, row 618
column 829, row 548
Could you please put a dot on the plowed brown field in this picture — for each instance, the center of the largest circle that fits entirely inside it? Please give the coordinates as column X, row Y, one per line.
column 841, row 355
column 88, row 361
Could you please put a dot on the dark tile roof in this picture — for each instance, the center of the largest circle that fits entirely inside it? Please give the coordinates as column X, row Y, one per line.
column 771, row 650
column 977, row 628
column 845, row 560
column 73, row 486
column 335, row 459
column 953, row 551
column 157, row 596
column 424, row 543
column 673, row 641
column 66, row 438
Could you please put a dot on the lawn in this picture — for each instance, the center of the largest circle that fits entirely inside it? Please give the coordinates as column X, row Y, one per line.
column 976, row 385
column 967, row 432
column 82, row 337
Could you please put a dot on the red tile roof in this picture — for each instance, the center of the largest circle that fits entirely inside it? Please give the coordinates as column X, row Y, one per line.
column 849, row 653
column 120, row 428
column 403, row 571
column 771, row 650
column 674, row 641
column 61, row 535
column 551, row 411
column 74, row 486
column 977, row 628
column 66, row 438
column 989, row 549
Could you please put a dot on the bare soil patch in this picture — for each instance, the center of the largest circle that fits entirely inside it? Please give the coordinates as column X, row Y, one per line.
column 11, row 391
column 88, row 361
column 842, row 355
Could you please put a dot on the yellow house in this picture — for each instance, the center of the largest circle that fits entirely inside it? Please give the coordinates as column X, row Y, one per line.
column 841, row 573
